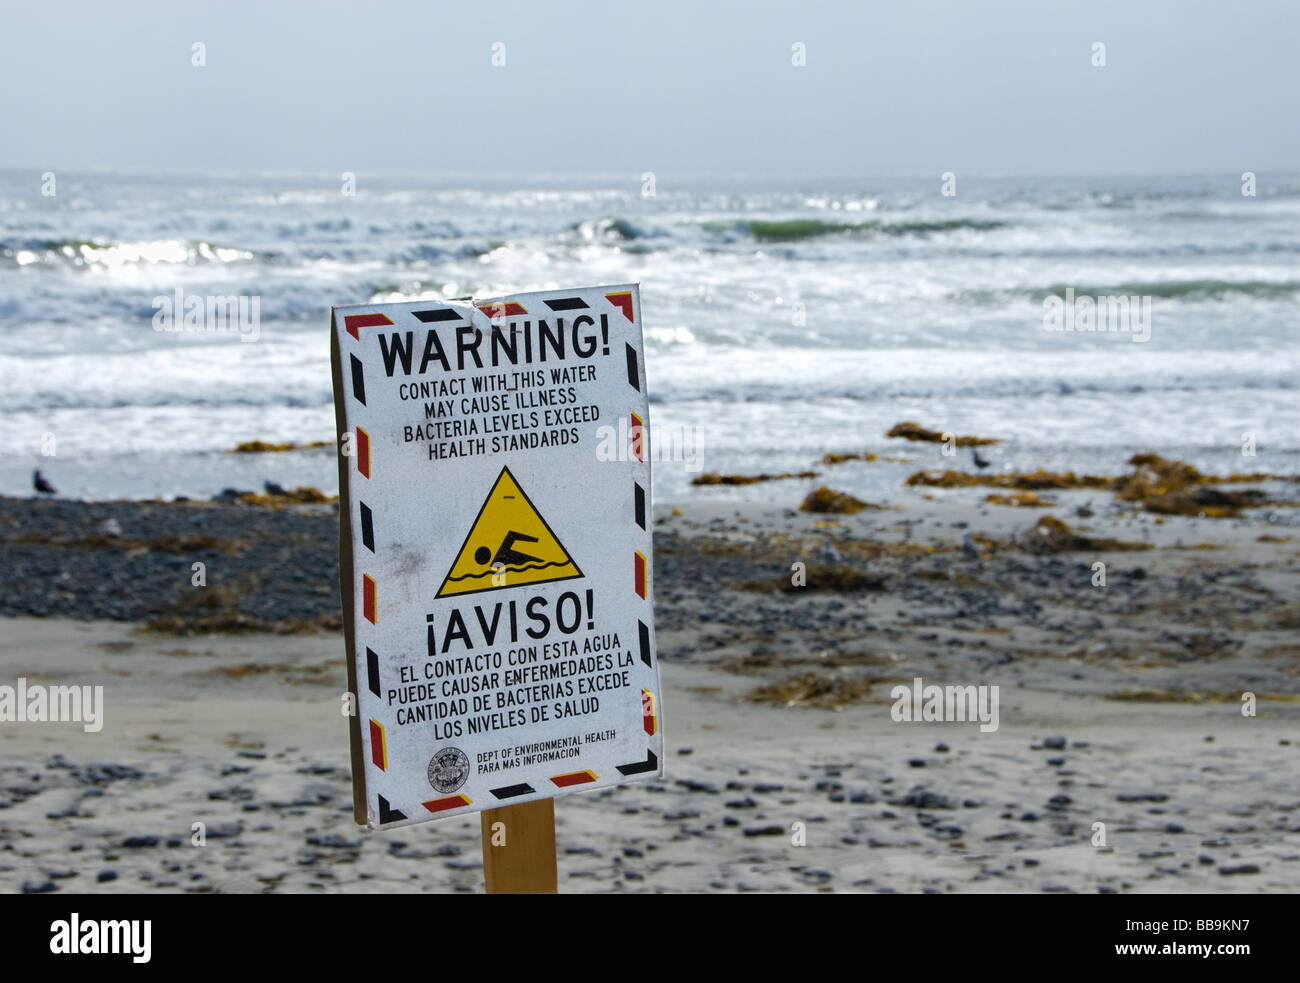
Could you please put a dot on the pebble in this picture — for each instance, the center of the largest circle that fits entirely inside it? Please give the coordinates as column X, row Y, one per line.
column 331, row 842
column 1240, row 869
column 693, row 786
column 922, row 798
column 100, row 773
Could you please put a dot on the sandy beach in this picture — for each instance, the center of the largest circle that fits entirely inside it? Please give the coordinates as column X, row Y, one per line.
column 1119, row 705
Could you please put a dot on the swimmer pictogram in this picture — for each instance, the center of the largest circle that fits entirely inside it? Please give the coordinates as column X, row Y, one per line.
column 509, row 545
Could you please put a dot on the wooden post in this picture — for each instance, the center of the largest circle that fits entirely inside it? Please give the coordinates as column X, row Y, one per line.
column 525, row 863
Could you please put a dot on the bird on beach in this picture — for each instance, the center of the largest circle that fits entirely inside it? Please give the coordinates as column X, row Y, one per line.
column 979, row 461
column 273, row 489
column 41, row 485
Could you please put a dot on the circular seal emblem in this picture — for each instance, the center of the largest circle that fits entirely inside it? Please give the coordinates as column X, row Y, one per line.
column 448, row 769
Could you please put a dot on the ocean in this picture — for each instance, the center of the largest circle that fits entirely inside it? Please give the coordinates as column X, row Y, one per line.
column 783, row 320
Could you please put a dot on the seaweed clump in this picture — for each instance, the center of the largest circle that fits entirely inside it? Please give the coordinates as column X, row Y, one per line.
column 914, row 431
column 216, row 610
column 1028, row 481
column 1051, row 535
column 814, row 690
column 825, row 500
column 834, row 458
column 1175, row 488
column 837, row 578
column 232, row 623
column 713, row 478
column 303, row 495
column 1155, row 484
column 1022, row 499
column 263, row 447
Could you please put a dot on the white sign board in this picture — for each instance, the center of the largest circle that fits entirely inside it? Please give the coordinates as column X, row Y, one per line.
column 495, row 550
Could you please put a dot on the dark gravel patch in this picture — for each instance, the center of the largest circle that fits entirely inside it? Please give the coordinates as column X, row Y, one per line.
column 275, row 564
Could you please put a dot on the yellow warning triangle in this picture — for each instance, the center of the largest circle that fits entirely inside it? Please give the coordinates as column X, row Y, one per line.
column 509, row 545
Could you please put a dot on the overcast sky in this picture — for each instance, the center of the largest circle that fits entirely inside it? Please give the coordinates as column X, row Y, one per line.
column 890, row 88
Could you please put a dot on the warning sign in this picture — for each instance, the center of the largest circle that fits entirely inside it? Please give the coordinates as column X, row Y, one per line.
column 495, row 550
column 509, row 545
